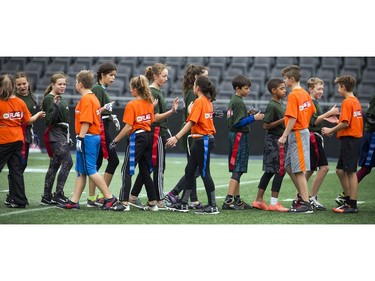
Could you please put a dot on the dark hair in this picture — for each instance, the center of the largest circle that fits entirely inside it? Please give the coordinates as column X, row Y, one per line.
column 191, row 72
column 104, row 69
column 240, row 81
column 86, row 77
column 25, row 75
column 292, row 71
column 206, row 87
column 273, row 83
column 347, row 81
column 7, row 86
column 140, row 83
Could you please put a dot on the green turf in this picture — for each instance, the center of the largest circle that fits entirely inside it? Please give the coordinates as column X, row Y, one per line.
column 37, row 214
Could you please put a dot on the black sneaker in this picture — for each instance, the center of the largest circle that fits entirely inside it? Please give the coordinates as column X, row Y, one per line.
column 69, row 205
column 47, row 200
column 119, row 207
column 242, row 205
column 108, row 203
column 59, row 198
column 304, row 208
column 8, row 200
column 296, row 203
column 208, row 210
column 231, row 205
column 179, row 207
column 14, row 205
column 345, row 209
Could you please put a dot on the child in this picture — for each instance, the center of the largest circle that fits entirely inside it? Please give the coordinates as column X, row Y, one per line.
column 349, row 132
column 202, row 129
column 138, row 116
column 238, row 120
column 87, row 128
column 106, row 75
column 318, row 156
column 273, row 122
column 56, row 139
column 366, row 157
column 13, row 113
column 158, row 76
column 298, row 113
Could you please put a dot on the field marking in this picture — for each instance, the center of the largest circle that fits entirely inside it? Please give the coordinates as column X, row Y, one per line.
column 26, row 211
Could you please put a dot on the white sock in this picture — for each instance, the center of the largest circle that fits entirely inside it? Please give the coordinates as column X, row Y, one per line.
column 274, row 201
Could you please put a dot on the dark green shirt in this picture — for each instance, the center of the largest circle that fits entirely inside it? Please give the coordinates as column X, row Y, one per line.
column 31, row 106
column 188, row 98
column 275, row 111
column 371, row 110
column 236, row 112
column 319, row 111
column 160, row 108
column 102, row 95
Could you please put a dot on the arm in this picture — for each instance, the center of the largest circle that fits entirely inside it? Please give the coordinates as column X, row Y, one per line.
column 173, row 140
column 124, row 132
column 333, row 111
column 165, row 115
column 330, row 131
column 287, row 130
column 269, row 126
column 38, row 115
column 248, row 120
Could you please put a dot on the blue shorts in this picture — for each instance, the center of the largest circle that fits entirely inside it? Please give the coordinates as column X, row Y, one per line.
column 86, row 160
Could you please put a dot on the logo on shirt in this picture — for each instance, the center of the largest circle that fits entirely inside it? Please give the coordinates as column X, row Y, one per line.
column 304, row 106
column 13, row 115
column 357, row 114
column 144, row 117
column 208, row 115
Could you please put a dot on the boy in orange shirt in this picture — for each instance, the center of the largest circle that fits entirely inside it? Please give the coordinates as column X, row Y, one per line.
column 299, row 110
column 349, row 132
column 87, row 128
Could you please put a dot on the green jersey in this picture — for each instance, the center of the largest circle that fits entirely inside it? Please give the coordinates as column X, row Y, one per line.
column 371, row 110
column 319, row 111
column 160, row 108
column 102, row 95
column 275, row 111
column 236, row 112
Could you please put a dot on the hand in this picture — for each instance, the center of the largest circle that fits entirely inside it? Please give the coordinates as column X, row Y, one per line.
column 36, row 140
column 190, row 106
column 79, row 144
column 116, row 122
column 108, row 106
column 327, row 132
column 218, row 113
column 171, row 142
column 155, row 103
column 334, row 110
column 112, row 145
column 259, row 116
column 71, row 143
column 57, row 99
column 252, row 111
column 175, row 105
column 41, row 114
column 332, row 119
column 282, row 140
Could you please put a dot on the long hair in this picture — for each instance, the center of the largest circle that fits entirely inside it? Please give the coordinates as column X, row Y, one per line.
column 156, row 69
column 7, row 86
column 140, row 83
column 25, row 75
column 56, row 76
column 189, row 77
column 206, row 87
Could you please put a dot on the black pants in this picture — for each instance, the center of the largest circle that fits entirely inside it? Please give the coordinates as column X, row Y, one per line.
column 11, row 154
column 195, row 161
column 143, row 146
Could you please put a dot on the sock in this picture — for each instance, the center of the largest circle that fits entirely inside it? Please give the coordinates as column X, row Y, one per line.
column 353, row 203
column 274, row 201
column 92, row 198
column 237, row 198
column 100, row 195
column 347, row 200
column 228, row 198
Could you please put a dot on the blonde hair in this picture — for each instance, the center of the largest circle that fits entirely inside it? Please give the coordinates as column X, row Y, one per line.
column 7, row 86
column 313, row 81
column 54, row 78
column 140, row 83
column 156, row 69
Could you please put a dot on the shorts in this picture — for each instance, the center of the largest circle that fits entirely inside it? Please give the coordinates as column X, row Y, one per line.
column 298, row 152
column 366, row 157
column 242, row 156
column 271, row 155
column 86, row 160
column 317, row 159
column 349, row 154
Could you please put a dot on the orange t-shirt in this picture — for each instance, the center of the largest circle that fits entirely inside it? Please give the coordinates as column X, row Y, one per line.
column 139, row 114
column 301, row 107
column 201, row 114
column 88, row 111
column 351, row 112
column 13, row 113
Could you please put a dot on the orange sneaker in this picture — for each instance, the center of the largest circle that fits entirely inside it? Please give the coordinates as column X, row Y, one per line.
column 277, row 208
column 260, row 205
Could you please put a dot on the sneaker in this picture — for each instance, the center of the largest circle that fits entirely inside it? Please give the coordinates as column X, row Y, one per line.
column 59, row 197
column 340, row 200
column 170, row 198
column 196, row 205
column 135, row 202
column 91, row 203
column 296, row 203
column 14, row 205
column 179, row 207
column 345, row 209
column 120, row 207
column 99, row 201
column 208, row 210
column 160, row 205
column 304, row 208
column 152, row 208
column 8, row 200
column 108, row 203
column 316, row 204
column 277, row 208
column 47, row 200
column 69, row 205
column 260, row 205
column 242, row 205
column 230, row 206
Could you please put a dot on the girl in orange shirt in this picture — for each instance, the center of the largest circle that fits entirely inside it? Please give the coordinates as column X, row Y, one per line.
column 138, row 116
column 202, row 131
column 13, row 113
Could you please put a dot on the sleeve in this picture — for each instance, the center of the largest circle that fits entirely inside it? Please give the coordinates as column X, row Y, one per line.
column 291, row 107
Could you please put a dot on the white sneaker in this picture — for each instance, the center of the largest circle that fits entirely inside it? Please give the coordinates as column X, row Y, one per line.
column 316, row 204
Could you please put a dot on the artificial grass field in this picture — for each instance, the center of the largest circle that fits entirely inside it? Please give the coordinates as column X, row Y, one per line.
column 38, row 214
